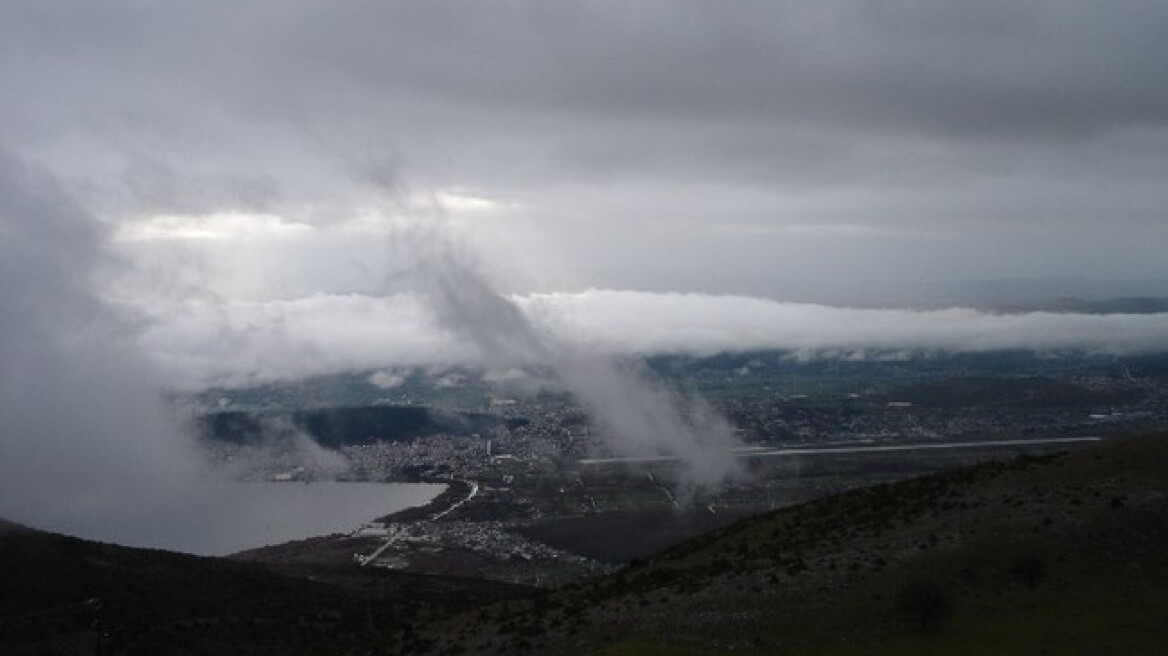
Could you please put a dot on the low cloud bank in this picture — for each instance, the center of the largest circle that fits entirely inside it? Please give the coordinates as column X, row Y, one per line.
column 644, row 322
column 88, row 446
column 638, row 414
column 201, row 342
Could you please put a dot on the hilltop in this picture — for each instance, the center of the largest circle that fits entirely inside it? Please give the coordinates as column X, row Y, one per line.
column 1062, row 554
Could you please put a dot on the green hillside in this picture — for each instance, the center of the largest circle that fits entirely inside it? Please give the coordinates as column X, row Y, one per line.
column 1060, row 555
column 58, row 593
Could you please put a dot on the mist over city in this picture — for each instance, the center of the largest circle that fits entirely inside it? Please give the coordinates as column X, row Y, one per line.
column 592, row 328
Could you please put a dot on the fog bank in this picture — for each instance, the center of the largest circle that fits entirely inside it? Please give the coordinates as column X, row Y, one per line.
column 202, row 342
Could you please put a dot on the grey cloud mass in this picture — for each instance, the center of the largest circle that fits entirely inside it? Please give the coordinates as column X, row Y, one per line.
column 838, row 152
column 83, row 428
column 87, row 444
column 522, row 94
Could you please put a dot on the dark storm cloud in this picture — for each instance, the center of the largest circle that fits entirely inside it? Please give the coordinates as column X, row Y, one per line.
column 779, row 149
column 1039, row 70
column 934, row 67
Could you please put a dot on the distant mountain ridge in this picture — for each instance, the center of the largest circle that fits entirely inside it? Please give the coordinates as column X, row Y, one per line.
column 1071, row 305
column 343, row 426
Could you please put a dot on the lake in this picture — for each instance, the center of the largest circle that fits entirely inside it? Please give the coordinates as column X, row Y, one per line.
column 223, row 517
column 279, row 512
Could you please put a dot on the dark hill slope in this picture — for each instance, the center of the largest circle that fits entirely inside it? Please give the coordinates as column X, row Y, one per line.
column 343, row 426
column 1006, row 392
column 55, row 591
column 1061, row 554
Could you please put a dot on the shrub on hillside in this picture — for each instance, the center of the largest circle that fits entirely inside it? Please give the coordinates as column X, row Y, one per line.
column 1029, row 570
column 924, row 604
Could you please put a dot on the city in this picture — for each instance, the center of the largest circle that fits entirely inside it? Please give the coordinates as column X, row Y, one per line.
column 539, row 497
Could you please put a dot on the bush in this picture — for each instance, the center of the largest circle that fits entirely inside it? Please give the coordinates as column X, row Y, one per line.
column 1029, row 570
column 924, row 604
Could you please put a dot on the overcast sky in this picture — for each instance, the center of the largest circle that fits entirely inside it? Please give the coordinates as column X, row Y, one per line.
column 266, row 169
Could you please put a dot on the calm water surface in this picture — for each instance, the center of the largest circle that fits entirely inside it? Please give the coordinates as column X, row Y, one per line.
column 224, row 517
column 279, row 512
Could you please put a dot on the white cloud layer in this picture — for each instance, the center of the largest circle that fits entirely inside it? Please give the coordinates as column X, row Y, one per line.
column 203, row 342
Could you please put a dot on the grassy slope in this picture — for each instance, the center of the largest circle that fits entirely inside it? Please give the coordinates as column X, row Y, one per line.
column 824, row 577
column 157, row 602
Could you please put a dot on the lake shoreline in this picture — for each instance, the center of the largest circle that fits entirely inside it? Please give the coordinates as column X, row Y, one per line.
column 455, row 491
column 338, row 547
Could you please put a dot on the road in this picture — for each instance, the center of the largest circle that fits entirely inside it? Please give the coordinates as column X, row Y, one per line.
column 474, row 490
column 397, row 532
column 764, row 452
column 365, row 560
